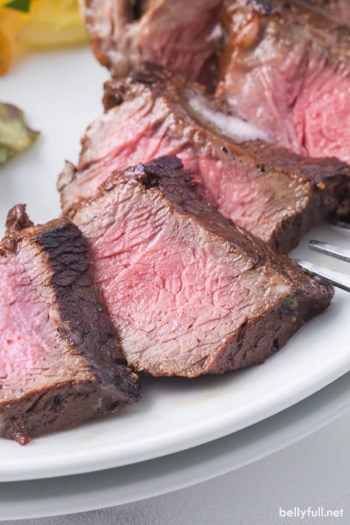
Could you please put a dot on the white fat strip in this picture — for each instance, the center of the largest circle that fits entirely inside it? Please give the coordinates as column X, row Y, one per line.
column 229, row 125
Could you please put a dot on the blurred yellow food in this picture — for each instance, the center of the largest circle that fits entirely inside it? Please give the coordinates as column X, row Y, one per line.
column 49, row 23
column 5, row 53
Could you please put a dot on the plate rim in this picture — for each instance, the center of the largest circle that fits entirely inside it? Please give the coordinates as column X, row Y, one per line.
column 104, row 460
column 180, row 470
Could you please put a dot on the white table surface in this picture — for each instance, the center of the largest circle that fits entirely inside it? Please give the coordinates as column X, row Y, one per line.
column 311, row 473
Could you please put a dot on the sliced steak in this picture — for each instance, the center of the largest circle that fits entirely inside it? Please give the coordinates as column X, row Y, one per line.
column 60, row 360
column 180, row 35
column 274, row 194
column 189, row 292
column 286, row 69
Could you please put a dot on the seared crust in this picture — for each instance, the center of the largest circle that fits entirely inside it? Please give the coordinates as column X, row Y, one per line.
column 299, row 191
column 287, row 296
column 337, row 10
column 84, row 376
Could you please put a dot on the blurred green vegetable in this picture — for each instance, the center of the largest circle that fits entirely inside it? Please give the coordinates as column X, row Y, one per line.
column 15, row 135
column 18, row 5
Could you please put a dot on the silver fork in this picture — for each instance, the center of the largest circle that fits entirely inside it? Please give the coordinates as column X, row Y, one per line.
column 338, row 279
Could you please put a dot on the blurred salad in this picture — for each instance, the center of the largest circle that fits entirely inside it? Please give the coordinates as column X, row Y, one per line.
column 26, row 24
column 15, row 135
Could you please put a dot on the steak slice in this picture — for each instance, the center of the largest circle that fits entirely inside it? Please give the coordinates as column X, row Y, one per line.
column 60, row 360
column 286, row 69
column 189, row 292
column 180, row 35
column 273, row 193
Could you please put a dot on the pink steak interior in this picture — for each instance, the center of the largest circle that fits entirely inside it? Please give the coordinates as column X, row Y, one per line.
column 168, row 288
column 26, row 337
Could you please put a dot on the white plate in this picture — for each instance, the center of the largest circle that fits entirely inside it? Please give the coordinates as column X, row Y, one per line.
column 43, row 498
column 60, row 93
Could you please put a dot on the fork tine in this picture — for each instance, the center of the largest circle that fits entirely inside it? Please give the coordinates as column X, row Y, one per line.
column 341, row 226
column 330, row 249
column 339, row 279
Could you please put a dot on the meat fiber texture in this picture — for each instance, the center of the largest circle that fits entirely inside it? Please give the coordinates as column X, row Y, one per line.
column 189, row 292
column 60, row 360
column 337, row 10
column 180, row 35
column 286, row 69
column 273, row 193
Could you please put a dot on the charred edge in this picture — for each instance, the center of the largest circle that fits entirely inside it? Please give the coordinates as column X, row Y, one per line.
column 136, row 7
column 65, row 269
column 114, row 93
column 265, row 7
column 7, row 246
column 17, row 219
column 67, row 255
column 275, row 346
column 149, row 73
column 152, row 174
column 151, row 180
